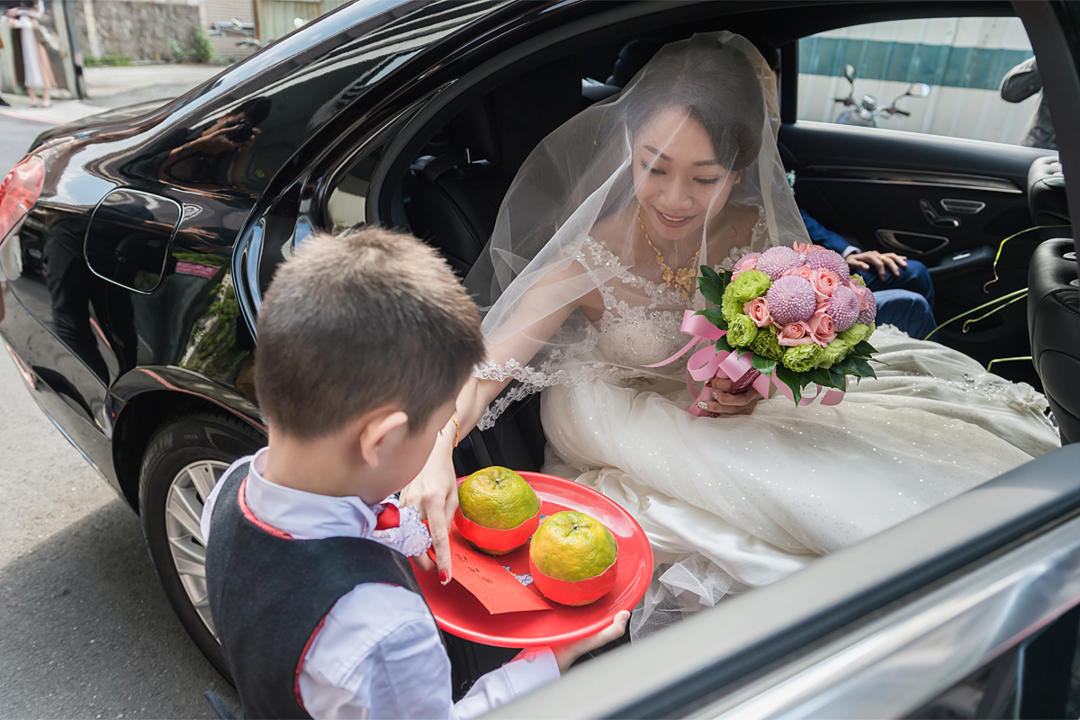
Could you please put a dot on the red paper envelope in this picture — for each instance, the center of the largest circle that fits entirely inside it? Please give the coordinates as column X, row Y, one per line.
column 489, row 582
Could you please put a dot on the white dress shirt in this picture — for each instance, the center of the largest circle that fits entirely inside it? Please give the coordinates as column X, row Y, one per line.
column 378, row 653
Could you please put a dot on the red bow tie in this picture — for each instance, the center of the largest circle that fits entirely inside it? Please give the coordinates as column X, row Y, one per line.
column 389, row 517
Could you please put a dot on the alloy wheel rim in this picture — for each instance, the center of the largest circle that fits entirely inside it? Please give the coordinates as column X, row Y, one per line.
column 183, row 511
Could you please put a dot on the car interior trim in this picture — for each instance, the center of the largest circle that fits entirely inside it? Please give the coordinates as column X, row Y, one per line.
column 715, row 652
column 839, row 173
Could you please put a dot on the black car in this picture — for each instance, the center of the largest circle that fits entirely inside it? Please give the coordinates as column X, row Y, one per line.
column 134, row 248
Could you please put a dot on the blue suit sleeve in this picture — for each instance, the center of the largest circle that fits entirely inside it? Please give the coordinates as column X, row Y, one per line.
column 821, row 235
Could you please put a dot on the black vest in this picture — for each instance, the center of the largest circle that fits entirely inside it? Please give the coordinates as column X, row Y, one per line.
column 268, row 594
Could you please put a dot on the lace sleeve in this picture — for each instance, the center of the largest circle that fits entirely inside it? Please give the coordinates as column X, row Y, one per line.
column 562, row 366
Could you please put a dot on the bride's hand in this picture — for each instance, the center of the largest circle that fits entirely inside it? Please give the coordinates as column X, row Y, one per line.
column 724, row 403
column 434, row 491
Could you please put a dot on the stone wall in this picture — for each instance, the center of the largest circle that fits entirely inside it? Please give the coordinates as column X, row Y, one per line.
column 136, row 29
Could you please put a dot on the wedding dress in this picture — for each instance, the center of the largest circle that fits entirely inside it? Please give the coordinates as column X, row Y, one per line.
column 731, row 503
column 584, row 285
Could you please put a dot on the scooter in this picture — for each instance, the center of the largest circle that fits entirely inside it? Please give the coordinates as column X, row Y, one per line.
column 866, row 112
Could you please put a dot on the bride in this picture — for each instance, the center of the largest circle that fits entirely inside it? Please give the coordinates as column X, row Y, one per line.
column 585, row 279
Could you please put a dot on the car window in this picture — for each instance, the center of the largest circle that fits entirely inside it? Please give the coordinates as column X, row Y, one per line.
column 961, row 61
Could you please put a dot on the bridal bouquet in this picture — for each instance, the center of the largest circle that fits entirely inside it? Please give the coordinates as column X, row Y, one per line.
column 798, row 315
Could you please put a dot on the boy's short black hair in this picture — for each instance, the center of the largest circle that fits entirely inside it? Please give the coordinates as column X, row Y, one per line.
column 354, row 322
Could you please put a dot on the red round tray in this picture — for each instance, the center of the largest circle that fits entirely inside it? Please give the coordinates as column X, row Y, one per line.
column 457, row 612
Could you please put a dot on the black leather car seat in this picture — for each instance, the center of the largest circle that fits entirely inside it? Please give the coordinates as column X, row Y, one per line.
column 455, row 201
column 457, row 193
column 1046, row 192
column 1054, row 330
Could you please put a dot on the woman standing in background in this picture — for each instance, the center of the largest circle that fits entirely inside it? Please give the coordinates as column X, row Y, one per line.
column 37, row 72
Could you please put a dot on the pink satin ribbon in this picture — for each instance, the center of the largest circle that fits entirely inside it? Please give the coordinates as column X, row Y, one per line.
column 706, row 362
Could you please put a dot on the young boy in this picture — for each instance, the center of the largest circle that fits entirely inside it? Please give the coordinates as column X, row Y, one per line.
column 363, row 344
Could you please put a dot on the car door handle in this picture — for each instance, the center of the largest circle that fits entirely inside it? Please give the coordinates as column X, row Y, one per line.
column 937, row 220
column 962, row 207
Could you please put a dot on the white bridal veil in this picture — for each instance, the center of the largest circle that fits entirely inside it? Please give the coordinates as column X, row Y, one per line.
column 570, row 237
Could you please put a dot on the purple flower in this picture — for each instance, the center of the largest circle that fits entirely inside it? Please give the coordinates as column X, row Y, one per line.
column 843, row 308
column 869, row 312
column 791, row 299
column 829, row 260
column 776, row 261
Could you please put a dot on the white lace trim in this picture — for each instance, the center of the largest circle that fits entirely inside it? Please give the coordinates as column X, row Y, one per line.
column 410, row 537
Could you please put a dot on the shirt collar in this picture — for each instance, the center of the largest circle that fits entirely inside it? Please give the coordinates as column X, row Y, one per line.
column 304, row 515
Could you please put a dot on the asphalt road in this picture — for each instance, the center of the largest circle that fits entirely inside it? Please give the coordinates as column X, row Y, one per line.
column 85, row 629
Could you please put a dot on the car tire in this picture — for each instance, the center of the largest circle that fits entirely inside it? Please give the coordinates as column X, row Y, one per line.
column 182, row 462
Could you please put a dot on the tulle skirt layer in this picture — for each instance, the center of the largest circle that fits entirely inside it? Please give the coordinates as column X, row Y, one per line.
column 732, row 503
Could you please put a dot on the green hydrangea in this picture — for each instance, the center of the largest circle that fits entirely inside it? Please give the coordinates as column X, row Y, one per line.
column 730, row 306
column 765, row 344
column 802, row 357
column 855, row 334
column 749, row 285
column 741, row 331
column 835, row 351
column 858, row 279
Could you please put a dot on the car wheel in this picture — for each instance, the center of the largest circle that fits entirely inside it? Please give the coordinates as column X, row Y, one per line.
column 180, row 467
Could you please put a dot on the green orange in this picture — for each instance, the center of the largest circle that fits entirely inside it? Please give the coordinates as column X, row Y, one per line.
column 572, row 546
column 497, row 497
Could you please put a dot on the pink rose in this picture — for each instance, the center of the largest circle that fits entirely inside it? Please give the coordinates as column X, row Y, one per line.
column 802, row 271
column 822, row 328
column 805, row 249
column 746, row 262
column 758, row 310
column 825, row 282
column 863, row 294
column 796, row 333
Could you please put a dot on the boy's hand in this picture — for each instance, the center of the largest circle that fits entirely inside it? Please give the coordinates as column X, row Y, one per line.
column 565, row 655
column 434, row 491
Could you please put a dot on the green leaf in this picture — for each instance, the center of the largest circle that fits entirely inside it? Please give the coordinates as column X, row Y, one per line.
column 791, row 379
column 763, row 364
column 864, row 349
column 715, row 316
column 821, row 376
column 723, row 345
column 863, row 368
column 839, row 379
column 846, row 366
column 711, row 274
column 711, row 290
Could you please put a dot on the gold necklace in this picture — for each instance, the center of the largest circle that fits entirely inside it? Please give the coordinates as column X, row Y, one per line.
column 681, row 279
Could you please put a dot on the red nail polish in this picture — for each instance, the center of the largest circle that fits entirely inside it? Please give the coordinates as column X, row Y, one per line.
column 443, row 577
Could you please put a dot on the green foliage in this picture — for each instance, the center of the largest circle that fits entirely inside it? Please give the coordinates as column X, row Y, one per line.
column 201, row 49
column 178, row 53
column 107, row 60
column 712, row 284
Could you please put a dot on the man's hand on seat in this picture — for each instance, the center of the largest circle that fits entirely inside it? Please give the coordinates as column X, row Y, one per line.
column 874, row 261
